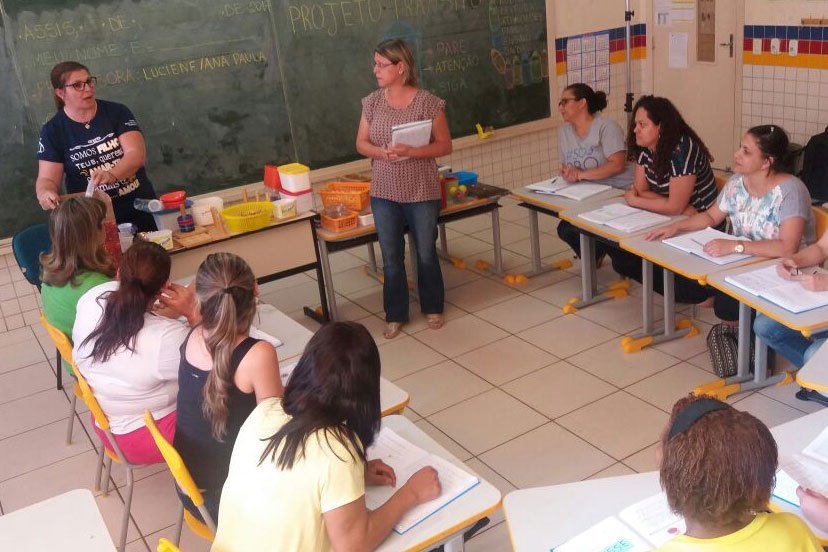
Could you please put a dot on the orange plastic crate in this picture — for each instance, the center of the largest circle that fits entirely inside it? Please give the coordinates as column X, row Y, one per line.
column 353, row 195
column 348, row 222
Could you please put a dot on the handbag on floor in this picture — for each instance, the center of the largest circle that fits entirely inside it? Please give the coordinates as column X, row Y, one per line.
column 723, row 344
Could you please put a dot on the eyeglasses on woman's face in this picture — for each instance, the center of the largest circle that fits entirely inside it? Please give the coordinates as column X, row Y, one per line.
column 80, row 85
column 564, row 101
column 383, row 65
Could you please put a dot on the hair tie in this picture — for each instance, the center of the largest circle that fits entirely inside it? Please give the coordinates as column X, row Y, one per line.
column 693, row 413
column 773, row 128
column 228, row 290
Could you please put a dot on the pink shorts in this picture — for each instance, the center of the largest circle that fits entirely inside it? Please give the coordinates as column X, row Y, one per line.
column 138, row 445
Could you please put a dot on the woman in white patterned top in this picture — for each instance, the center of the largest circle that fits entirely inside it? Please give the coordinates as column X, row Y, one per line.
column 405, row 186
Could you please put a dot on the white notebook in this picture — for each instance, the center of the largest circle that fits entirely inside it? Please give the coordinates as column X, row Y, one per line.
column 415, row 134
column 621, row 216
column 640, row 527
column 406, row 459
column 810, row 468
column 768, row 284
column 694, row 243
column 559, row 187
column 256, row 333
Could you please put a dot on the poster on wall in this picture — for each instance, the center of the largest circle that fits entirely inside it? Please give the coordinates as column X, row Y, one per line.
column 668, row 12
column 588, row 60
column 677, row 55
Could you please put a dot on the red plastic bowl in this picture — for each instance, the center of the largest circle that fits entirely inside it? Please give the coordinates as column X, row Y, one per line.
column 172, row 200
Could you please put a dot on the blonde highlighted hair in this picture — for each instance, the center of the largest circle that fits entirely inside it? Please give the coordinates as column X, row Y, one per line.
column 396, row 51
column 77, row 242
column 225, row 287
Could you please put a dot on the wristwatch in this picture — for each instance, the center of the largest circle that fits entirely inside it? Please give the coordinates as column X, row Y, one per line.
column 740, row 247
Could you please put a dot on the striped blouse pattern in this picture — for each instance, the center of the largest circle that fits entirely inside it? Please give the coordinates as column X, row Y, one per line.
column 688, row 159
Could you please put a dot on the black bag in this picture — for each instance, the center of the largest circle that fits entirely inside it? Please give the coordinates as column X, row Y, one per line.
column 723, row 344
column 815, row 167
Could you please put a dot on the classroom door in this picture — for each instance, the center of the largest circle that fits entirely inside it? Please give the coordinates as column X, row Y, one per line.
column 683, row 34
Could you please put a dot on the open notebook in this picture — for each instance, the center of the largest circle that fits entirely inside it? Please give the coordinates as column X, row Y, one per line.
column 623, row 217
column 694, row 243
column 767, row 283
column 809, row 469
column 640, row 527
column 559, row 187
column 406, row 459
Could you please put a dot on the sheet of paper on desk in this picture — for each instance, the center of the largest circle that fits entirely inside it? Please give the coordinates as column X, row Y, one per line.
column 609, row 212
column 795, row 298
column 406, row 459
column 756, row 281
column 609, row 534
column 256, row 333
column 785, row 488
column 694, row 243
column 653, row 519
column 559, row 187
column 638, row 221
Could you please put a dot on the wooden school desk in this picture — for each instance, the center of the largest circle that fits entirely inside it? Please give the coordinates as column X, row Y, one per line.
column 330, row 242
column 447, row 525
column 552, row 205
column 280, row 249
column 589, row 230
column 673, row 261
column 544, row 517
column 295, row 337
column 69, row 522
column 807, row 322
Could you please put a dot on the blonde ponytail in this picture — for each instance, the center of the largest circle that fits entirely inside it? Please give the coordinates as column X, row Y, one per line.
column 225, row 288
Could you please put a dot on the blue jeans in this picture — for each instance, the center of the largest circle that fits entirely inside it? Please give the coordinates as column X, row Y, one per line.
column 789, row 343
column 391, row 219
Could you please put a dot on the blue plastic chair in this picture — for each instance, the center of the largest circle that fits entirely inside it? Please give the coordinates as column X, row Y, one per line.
column 27, row 245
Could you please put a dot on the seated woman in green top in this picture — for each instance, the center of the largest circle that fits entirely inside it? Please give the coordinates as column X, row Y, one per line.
column 77, row 261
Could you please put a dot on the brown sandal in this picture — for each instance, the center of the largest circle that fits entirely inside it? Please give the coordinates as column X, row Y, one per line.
column 435, row 321
column 392, row 330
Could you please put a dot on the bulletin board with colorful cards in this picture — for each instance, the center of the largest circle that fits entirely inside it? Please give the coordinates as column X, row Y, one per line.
column 588, row 60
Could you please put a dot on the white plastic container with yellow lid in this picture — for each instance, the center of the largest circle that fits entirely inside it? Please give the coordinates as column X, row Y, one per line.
column 294, row 177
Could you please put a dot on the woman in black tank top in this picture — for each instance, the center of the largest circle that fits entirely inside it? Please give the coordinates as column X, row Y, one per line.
column 215, row 396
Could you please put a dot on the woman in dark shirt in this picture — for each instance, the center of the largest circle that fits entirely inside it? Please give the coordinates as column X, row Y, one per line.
column 672, row 177
column 224, row 374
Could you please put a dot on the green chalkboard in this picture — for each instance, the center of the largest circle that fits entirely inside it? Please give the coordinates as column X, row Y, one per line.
column 221, row 88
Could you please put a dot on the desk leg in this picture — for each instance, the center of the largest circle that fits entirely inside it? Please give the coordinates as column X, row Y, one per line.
column 498, row 253
column 322, row 313
column 590, row 294
column 742, row 381
column 671, row 329
column 327, row 275
column 534, row 248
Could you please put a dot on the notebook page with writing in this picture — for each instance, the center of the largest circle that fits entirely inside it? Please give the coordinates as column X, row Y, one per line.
column 757, row 281
column 653, row 519
column 609, row 212
column 407, row 459
column 549, row 187
column 694, row 243
column 579, row 192
column 638, row 221
column 608, row 534
column 793, row 297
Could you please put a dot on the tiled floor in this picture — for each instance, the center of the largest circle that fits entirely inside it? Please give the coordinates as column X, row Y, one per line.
column 524, row 394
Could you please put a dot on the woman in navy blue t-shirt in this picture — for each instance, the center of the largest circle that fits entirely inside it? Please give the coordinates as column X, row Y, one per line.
column 92, row 140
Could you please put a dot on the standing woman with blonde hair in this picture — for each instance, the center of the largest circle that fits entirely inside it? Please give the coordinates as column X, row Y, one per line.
column 224, row 373
column 405, row 186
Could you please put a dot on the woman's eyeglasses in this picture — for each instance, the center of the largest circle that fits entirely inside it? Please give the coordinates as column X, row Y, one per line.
column 79, row 86
column 379, row 65
column 565, row 101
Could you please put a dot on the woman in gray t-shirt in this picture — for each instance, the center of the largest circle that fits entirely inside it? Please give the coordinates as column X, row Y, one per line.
column 590, row 148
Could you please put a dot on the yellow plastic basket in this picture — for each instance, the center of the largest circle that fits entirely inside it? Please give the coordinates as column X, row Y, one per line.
column 246, row 217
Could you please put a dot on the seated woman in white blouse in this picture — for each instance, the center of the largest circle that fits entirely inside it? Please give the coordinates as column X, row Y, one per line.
column 128, row 353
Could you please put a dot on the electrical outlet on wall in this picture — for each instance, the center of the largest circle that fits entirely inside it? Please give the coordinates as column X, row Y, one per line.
column 793, row 47
column 775, row 45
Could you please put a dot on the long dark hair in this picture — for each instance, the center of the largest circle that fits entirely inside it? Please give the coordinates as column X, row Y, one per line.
column 58, row 77
column 145, row 268
column 334, row 388
column 225, row 286
column 661, row 111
